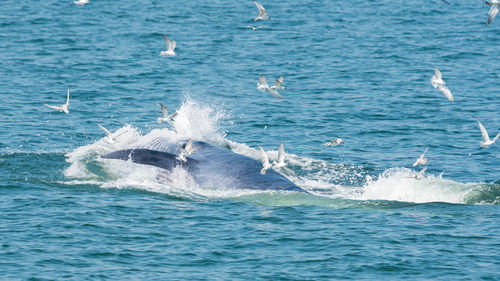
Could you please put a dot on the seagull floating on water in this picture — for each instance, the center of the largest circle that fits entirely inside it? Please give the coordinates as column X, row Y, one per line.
column 81, row 2
column 265, row 161
column 164, row 115
column 262, row 12
column 62, row 108
column 421, row 160
column 493, row 10
column 254, row 28
column 334, row 142
column 170, row 47
column 437, row 82
column 487, row 142
column 264, row 87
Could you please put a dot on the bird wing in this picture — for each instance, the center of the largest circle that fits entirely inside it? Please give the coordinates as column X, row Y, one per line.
column 173, row 115
column 108, row 133
column 189, row 145
column 281, row 153
column 492, row 14
column 486, row 137
column 173, row 45
column 67, row 99
column 274, row 93
column 438, row 74
column 263, row 81
column 423, row 154
column 445, row 91
column 53, row 106
column 279, row 82
column 263, row 157
column 164, row 110
column 168, row 42
column 261, row 9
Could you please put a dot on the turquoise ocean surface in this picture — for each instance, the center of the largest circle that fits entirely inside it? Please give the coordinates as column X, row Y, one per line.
column 359, row 71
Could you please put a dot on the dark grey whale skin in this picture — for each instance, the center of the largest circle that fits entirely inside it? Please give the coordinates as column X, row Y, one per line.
column 211, row 166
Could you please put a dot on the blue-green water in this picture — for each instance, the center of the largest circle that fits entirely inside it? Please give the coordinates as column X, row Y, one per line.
column 359, row 71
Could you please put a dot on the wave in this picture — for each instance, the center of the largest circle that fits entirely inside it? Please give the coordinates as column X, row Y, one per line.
column 328, row 183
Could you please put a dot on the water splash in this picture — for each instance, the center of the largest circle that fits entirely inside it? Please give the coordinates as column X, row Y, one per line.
column 327, row 182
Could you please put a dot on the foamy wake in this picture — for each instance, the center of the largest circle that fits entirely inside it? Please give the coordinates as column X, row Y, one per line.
column 320, row 178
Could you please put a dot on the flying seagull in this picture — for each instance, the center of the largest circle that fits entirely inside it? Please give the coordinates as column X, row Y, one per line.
column 186, row 150
column 170, row 47
column 262, row 12
column 437, row 82
column 62, row 108
column 487, row 142
column 264, row 87
column 164, row 115
column 493, row 10
column 265, row 161
column 421, row 160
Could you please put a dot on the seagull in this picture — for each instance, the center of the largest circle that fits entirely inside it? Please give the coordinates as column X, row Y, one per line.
column 265, row 161
column 334, row 142
column 420, row 175
column 264, row 87
column 421, row 160
column 281, row 157
column 278, row 85
column 493, row 10
column 81, row 2
column 487, row 142
column 170, row 47
column 62, row 108
column 254, row 28
column 262, row 12
column 164, row 115
column 437, row 82
column 109, row 139
column 186, row 150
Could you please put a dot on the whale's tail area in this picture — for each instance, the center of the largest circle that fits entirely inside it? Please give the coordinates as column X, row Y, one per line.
column 156, row 158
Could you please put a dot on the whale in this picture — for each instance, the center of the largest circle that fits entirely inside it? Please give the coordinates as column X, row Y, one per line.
column 210, row 166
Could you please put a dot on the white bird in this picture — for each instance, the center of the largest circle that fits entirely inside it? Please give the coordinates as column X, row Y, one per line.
column 265, row 161
column 420, row 175
column 278, row 85
column 334, row 142
column 281, row 160
column 421, row 160
column 264, row 87
column 81, row 2
column 493, row 10
column 170, row 47
column 437, row 82
column 262, row 12
column 186, row 150
column 281, row 157
column 109, row 139
column 62, row 108
column 254, row 28
column 164, row 115
column 487, row 142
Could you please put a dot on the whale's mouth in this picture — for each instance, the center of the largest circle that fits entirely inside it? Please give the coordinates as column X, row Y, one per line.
column 327, row 183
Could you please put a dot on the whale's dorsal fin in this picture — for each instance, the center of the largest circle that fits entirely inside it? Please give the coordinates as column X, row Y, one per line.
column 156, row 158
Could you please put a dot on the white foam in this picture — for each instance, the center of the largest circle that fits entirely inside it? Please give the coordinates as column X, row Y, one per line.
column 201, row 122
